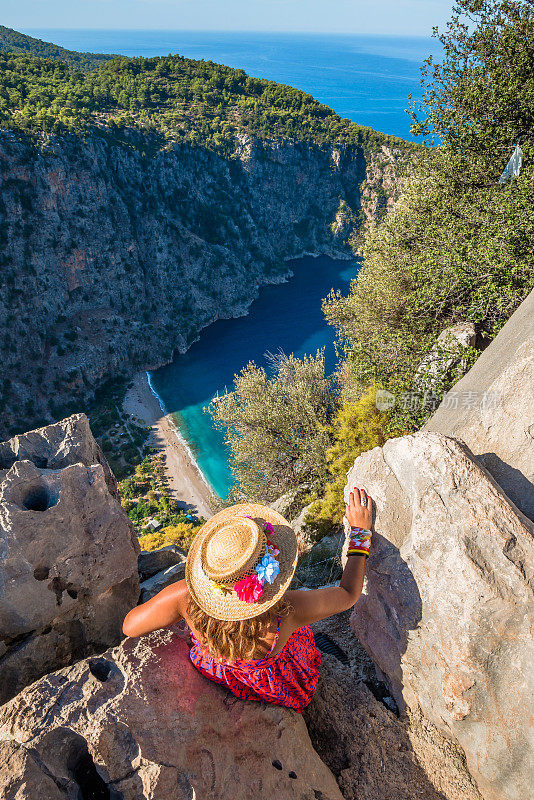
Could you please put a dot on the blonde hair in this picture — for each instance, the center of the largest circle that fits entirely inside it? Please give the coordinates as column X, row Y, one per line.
column 233, row 639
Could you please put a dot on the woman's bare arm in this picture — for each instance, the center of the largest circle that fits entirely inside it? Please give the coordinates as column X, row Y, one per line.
column 311, row 606
column 164, row 609
column 169, row 605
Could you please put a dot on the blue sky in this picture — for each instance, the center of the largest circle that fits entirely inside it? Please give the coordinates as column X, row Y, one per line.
column 401, row 17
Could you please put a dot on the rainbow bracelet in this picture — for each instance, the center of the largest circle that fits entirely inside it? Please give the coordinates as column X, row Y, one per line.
column 360, row 542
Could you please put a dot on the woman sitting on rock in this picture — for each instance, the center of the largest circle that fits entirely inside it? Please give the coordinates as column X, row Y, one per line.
column 249, row 632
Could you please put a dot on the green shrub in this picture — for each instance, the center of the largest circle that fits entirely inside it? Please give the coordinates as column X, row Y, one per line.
column 357, row 427
column 181, row 534
column 276, row 425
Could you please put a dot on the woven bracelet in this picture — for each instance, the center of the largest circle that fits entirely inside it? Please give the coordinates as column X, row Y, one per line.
column 360, row 542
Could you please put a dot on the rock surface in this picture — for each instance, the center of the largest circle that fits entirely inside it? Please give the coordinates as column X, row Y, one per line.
column 447, row 609
column 160, row 580
column 321, row 565
column 374, row 754
column 446, row 353
column 150, row 562
column 68, row 554
column 57, row 446
column 140, row 723
column 491, row 408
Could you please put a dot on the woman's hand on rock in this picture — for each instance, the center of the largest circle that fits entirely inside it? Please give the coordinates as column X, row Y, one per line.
column 359, row 509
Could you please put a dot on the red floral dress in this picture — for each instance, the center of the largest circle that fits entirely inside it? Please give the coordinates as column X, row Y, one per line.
column 287, row 679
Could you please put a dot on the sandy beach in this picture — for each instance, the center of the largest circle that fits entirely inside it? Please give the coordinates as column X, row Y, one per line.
column 186, row 482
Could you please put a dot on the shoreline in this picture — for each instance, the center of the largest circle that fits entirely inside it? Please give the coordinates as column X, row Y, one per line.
column 187, row 484
column 243, row 309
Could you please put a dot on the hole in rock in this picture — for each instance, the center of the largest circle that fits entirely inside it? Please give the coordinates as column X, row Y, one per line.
column 39, row 498
column 276, row 764
column 58, row 586
column 7, row 459
column 381, row 693
column 41, row 573
column 292, row 774
column 327, row 645
column 72, row 592
column 92, row 785
column 65, row 752
column 100, row 668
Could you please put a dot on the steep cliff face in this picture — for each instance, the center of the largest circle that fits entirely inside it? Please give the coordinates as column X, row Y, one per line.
column 115, row 254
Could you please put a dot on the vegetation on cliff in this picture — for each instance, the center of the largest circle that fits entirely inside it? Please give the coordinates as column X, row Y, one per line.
column 456, row 247
column 179, row 99
column 276, row 425
column 14, row 42
column 98, row 165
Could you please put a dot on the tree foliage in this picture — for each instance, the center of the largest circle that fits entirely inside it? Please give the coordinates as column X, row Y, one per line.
column 457, row 245
column 357, row 427
column 179, row 99
column 277, row 425
column 479, row 100
column 181, row 534
column 14, row 42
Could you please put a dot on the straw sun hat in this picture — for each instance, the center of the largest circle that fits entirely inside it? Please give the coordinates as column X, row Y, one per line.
column 228, row 548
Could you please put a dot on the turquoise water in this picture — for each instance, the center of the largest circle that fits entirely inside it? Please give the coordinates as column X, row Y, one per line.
column 365, row 78
column 285, row 317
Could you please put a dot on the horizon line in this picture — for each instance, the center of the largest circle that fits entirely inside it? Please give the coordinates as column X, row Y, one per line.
column 227, row 30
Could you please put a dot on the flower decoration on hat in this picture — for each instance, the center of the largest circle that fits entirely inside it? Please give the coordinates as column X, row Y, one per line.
column 249, row 589
column 272, row 548
column 268, row 568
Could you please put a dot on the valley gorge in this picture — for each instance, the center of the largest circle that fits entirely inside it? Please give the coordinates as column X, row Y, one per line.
column 143, row 199
column 116, row 252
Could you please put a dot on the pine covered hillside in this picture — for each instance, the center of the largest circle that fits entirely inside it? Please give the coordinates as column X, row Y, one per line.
column 14, row 42
column 179, row 98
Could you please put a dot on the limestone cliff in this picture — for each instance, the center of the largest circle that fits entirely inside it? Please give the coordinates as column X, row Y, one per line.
column 68, row 553
column 116, row 253
column 447, row 609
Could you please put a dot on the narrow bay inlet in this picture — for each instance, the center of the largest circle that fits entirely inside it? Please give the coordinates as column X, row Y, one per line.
column 286, row 317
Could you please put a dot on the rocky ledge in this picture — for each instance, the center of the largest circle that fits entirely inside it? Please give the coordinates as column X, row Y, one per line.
column 68, row 553
column 140, row 722
column 447, row 610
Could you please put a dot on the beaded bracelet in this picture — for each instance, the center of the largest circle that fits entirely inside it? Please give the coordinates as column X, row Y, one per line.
column 360, row 542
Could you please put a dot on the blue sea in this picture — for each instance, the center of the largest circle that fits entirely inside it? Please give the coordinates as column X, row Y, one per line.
column 365, row 78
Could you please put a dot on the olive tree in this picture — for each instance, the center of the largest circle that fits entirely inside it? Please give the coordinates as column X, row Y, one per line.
column 276, row 424
column 478, row 100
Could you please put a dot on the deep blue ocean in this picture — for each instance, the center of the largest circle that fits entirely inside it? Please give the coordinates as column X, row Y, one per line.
column 367, row 79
